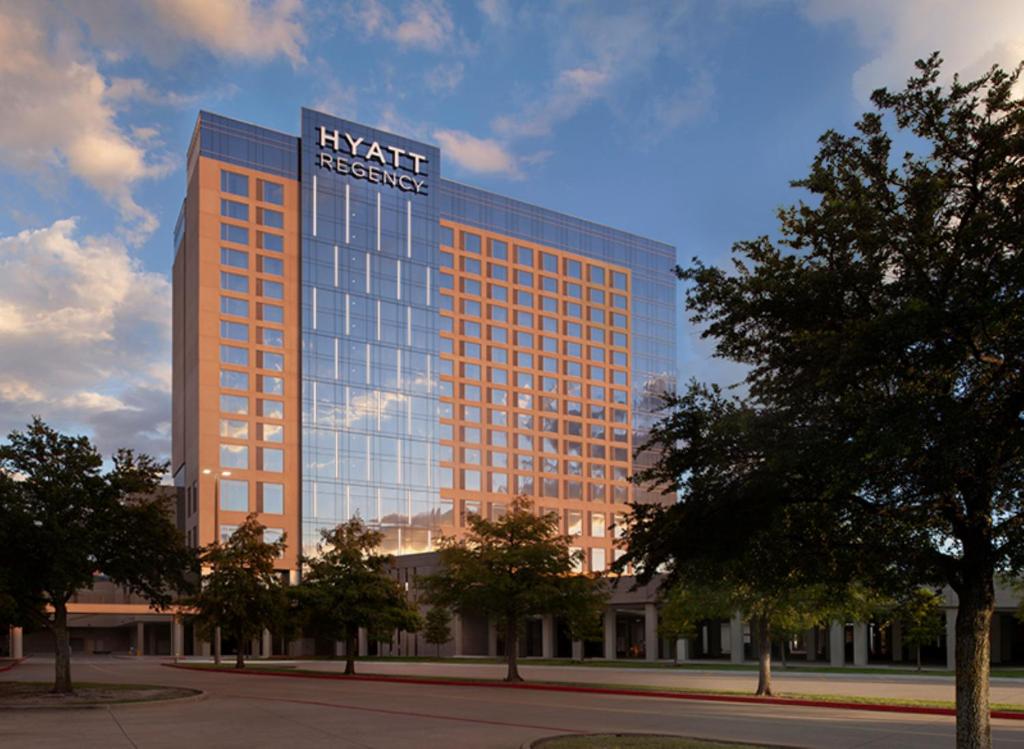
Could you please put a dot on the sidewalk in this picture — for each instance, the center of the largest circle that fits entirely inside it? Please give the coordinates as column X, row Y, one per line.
column 893, row 686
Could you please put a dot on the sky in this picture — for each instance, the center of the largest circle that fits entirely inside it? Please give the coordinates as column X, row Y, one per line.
column 682, row 121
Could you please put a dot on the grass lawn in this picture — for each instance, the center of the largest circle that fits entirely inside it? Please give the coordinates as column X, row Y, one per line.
column 38, row 694
column 610, row 741
column 860, row 700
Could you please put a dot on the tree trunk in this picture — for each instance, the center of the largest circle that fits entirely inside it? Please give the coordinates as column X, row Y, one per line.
column 239, row 649
column 351, row 647
column 61, row 649
column 919, row 657
column 216, row 645
column 512, row 649
column 973, row 619
column 764, row 657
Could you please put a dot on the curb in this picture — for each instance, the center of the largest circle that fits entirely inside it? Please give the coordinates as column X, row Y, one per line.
column 12, row 664
column 197, row 697
column 693, row 696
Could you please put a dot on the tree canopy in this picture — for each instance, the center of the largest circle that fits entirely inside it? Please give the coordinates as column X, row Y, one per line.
column 64, row 519
column 887, row 318
column 347, row 585
column 510, row 568
column 241, row 593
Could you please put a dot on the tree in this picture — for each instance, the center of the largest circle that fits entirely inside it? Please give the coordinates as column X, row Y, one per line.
column 437, row 630
column 888, row 316
column 920, row 618
column 583, row 602
column 511, row 568
column 347, row 586
column 241, row 592
column 63, row 519
column 747, row 534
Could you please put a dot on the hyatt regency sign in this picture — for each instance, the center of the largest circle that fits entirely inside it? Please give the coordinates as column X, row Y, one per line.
column 358, row 158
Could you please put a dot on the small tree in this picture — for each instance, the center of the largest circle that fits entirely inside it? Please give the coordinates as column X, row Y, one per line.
column 347, row 586
column 511, row 568
column 582, row 606
column 240, row 592
column 63, row 520
column 437, row 630
column 920, row 616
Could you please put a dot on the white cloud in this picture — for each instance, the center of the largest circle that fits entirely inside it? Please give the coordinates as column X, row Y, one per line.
column 444, row 78
column 972, row 36
column 85, row 337
column 162, row 30
column 599, row 55
column 423, row 24
column 495, row 11
column 481, row 155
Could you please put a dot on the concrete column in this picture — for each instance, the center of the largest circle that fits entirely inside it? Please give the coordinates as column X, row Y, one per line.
column 860, row 644
column 492, row 638
column 177, row 637
column 896, row 632
column 577, row 650
column 140, row 638
column 457, row 634
column 339, row 648
column 267, row 646
column 811, row 644
column 609, row 634
column 17, row 642
column 736, row 654
column 547, row 636
column 951, row 638
column 650, row 632
column 364, row 643
column 837, row 644
column 682, row 649
column 218, row 643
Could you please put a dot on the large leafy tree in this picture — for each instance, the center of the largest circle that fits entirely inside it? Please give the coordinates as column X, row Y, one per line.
column 241, row 592
column 64, row 518
column 748, row 533
column 347, row 585
column 511, row 568
column 888, row 314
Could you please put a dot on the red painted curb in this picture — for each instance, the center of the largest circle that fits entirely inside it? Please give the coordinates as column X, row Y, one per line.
column 11, row 665
column 698, row 696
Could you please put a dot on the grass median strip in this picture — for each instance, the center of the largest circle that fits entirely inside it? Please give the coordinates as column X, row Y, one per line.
column 796, row 698
column 37, row 694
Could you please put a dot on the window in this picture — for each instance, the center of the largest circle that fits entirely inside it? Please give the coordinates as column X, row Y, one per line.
column 574, row 522
column 226, row 532
column 272, row 535
column 271, row 432
column 471, row 242
column 447, row 236
column 234, row 404
column 271, row 192
column 596, row 275
column 549, row 262
column 597, row 524
column 271, row 265
column 268, row 241
column 234, row 456
column 597, row 560
column 234, row 209
column 499, row 250
column 524, row 256
column 271, row 313
column 271, row 459
column 271, row 409
column 234, row 355
column 232, row 233
column 234, row 282
column 231, row 306
column 271, row 385
column 271, row 361
column 272, row 498
column 234, row 183
column 272, row 337
column 619, row 280
column 573, row 269
column 268, row 217
column 272, row 289
column 233, row 379
column 471, row 481
column 235, row 331
column 235, row 429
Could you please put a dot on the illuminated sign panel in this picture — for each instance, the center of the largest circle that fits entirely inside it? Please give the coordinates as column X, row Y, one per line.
column 386, row 164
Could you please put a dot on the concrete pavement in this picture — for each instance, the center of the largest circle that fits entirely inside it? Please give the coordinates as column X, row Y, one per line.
column 254, row 711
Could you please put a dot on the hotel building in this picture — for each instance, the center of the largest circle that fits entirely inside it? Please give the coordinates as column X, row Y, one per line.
column 356, row 336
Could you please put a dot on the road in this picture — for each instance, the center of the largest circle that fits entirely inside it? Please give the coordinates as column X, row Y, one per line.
column 255, row 711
